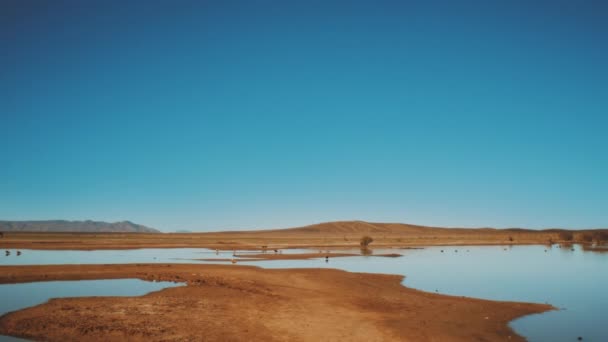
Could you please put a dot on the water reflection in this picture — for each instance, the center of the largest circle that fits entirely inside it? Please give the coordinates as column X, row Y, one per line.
column 595, row 248
column 366, row 251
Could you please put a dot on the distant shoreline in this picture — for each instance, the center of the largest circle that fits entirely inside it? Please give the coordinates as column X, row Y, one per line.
column 335, row 235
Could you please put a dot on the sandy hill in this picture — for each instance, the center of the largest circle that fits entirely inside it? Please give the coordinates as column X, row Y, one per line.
column 361, row 227
column 348, row 227
column 74, row 226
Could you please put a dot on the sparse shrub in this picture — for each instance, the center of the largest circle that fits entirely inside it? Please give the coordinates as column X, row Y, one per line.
column 566, row 236
column 365, row 241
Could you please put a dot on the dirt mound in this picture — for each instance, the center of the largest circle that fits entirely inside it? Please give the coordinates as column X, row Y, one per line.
column 354, row 227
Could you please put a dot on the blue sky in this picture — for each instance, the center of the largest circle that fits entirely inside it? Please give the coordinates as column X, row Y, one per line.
column 209, row 115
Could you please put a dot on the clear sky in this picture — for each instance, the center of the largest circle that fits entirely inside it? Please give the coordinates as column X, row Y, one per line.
column 209, row 115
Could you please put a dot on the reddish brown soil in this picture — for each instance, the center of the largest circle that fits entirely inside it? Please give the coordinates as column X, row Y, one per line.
column 241, row 303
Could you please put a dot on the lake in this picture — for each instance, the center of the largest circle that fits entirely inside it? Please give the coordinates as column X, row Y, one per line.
column 572, row 280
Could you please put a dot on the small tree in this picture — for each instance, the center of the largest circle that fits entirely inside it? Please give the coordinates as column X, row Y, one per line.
column 365, row 241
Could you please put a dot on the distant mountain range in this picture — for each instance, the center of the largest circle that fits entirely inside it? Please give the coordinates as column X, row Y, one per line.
column 74, row 226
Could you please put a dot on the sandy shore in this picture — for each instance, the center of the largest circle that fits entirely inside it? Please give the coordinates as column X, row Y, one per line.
column 243, row 303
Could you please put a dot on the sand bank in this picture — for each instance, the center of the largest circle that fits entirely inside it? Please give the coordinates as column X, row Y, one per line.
column 244, row 303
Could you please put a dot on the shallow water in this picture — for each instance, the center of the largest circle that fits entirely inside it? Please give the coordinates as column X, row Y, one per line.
column 574, row 281
column 19, row 296
column 571, row 280
column 148, row 255
column 127, row 256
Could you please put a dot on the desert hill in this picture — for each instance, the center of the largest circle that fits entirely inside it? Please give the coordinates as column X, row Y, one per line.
column 362, row 227
column 347, row 227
